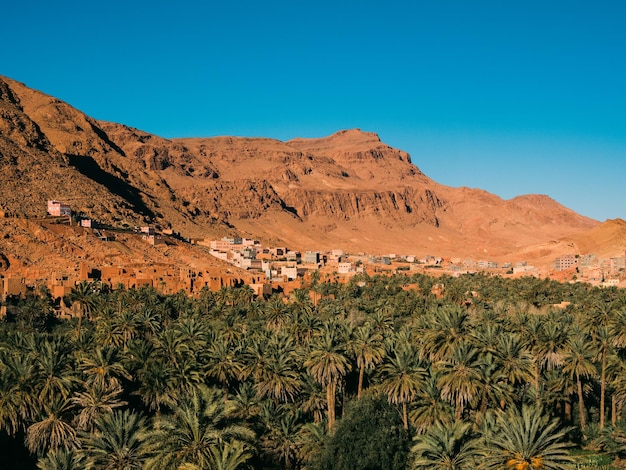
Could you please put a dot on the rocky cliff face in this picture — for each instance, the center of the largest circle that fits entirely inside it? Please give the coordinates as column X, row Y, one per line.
column 346, row 190
column 406, row 205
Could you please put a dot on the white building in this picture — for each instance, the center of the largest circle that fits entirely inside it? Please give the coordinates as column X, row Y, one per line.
column 290, row 272
column 344, row 268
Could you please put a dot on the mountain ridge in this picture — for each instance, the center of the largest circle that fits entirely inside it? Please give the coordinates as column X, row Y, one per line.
column 348, row 190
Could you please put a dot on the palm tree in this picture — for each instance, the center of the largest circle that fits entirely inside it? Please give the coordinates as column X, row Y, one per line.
column 514, row 360
column 546, row 340
column 256, row 351
column 13, row 406
column 312, row 400
column 232, row 329
column 303, row 326
column 618, row 328
column 531, row 327
column 446, row 328
column 604, row 346
column 429, row 409
column 242, row 295
column 279, row 438
column 118, row 443
column 557, row 392
column 381, row 322
column 367, row 345
column 552, row 342
column 148, row 321
column 193, row 331
column 578, row 364
column 17, row 398
column 279, row 379
column 455, row 292
column 460, row 377
column 155, row 385
column 61, row 460
column 401, row 378
column 310, row 442
column 54, row 374
column 526, row 440
column 599, row 322
column 124, row 327
column 102, row 366
column 495, row 389
column 231, row 455
column 600, row 314
column 301, row 302
column 445, row 447
column 170, row 346
column 485, row 337
column 224, row 363
column 328, row 365
column 223, row 297
column 246, row 403
column 83, row 295
column 36, row 310
column 97, row 400
column 182, row 368
column 139, row 352
column 617, row 372
column 52, row 429
column 104, row 334
column 198, row 423
column 188, row 373
column 276, row 313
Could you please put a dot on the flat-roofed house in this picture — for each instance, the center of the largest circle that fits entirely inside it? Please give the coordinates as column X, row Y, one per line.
column 58, row 208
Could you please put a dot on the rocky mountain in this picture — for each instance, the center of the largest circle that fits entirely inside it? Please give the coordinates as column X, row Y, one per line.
column 348, row 190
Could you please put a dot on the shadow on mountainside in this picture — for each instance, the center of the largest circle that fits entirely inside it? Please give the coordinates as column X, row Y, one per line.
column 105, row 137
column 90, row 168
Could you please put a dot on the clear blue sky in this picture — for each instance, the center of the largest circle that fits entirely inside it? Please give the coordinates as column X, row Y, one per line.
column 514, row 97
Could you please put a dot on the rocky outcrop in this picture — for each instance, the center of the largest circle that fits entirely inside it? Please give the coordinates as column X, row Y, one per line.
column 156, row 154
column 406, row 206
column 235, row 200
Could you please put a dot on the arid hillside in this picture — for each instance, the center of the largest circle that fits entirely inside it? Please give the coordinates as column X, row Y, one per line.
column 39, row 249
column 605, row 240
column 348, row 190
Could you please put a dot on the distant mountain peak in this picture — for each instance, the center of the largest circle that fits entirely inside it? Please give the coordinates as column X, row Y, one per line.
column 356, row 133
column 346, row 137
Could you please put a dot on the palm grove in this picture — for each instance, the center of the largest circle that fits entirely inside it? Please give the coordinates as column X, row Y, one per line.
column 489, row 374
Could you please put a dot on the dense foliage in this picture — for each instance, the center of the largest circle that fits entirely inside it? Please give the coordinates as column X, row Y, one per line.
column 377, row 373
column 370, row 436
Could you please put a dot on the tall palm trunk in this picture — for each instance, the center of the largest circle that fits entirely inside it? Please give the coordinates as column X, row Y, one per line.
column 536, row 373
column 361, row 376
column 602, row 387
column 405, row 416
column 330, row 400
column 568, row 411
column 613, row 410
column 581, row 404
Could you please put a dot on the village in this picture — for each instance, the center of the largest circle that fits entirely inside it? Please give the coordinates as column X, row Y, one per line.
column 277, row 269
